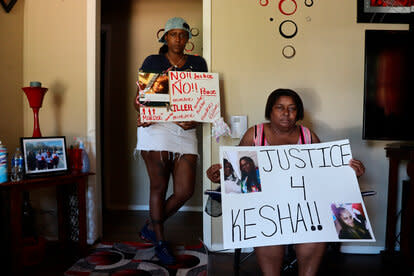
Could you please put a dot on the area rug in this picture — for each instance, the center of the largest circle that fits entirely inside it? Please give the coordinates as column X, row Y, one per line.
column 133, row 258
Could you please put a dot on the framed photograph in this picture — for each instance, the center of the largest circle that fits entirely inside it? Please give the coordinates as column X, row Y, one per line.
column 388, row 85
column 241, row 172
column 384, row 11
column 44, row 156
column 153, row 89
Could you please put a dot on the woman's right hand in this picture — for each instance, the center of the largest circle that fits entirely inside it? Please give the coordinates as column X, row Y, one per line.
column 141, row 124
column 213, row 173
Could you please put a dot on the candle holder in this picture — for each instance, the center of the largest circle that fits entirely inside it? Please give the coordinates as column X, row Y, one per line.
column 35, row 96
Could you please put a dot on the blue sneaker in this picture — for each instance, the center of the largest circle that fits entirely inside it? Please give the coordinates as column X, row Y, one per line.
column 163, row 253
column 148, row 235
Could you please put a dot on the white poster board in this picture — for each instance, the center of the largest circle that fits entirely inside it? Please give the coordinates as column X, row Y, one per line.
column 293, row 194
column 191, row 96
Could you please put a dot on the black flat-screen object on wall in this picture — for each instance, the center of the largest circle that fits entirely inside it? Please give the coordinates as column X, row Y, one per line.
column 389, row 89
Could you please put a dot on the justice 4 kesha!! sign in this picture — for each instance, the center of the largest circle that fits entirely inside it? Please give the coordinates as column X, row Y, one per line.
column 180, row 96
column 291, row 194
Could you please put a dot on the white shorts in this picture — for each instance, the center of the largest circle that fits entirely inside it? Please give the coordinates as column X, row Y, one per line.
column 167, row 137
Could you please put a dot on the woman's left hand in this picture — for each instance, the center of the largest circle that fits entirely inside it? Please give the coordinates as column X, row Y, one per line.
column 142, row 124
column 357, row 166
column 187, row 125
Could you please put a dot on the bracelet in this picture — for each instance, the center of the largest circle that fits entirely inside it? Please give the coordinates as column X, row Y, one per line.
column 285, row 35
column 286, row 13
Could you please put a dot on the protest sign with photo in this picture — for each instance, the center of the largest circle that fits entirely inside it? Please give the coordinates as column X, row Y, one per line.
column 182, row 96
column 291, row 194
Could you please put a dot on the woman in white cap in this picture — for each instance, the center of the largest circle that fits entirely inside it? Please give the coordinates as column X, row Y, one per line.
column 168, row 148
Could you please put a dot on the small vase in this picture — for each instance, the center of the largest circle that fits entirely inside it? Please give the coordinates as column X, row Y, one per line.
column 35, row 97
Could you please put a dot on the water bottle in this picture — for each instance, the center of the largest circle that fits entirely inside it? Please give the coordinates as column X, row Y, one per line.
column 85, row 158
column 3, row 163
column 17, row 166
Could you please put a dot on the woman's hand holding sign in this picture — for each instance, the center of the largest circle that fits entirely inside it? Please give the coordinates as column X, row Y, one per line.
column 213, row 173
column 142, row 124
column 357, row 166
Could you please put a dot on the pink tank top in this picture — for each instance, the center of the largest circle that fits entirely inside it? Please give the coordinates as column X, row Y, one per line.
column 260, row 139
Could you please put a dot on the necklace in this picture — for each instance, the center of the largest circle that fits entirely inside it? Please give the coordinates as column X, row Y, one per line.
column 175, row 64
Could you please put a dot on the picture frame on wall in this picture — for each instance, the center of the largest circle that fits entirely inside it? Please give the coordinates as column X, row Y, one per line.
column 44, row 156
column 382, row 11
column 8, row 5
column 388, row 85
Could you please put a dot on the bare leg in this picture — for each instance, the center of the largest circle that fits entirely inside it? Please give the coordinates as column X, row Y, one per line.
column 159, row 168
column 184, row 175
column 309, row 257
column 270, row 259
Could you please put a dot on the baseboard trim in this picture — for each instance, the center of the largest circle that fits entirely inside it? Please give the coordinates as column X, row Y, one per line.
column 355, row 249
column 347, row 249
column 114, row 207
column 218, row 247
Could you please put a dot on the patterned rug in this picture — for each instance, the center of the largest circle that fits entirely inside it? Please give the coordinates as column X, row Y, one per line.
column 133, row 258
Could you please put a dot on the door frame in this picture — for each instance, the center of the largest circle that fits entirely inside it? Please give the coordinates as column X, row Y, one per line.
column 94, row 188
column 93, row 26
column 207, row 220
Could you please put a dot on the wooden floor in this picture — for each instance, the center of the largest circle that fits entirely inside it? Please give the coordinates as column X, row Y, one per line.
column 183, row 228
column 186, row 228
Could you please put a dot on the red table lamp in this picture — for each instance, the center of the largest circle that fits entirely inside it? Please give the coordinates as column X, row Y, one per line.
column 35, row 93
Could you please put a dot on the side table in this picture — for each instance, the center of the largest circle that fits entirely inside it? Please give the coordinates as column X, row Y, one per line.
column 397, row 153
column 16, row 189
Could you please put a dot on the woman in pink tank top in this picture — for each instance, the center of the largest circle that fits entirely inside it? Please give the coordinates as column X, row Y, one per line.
column 283, row 109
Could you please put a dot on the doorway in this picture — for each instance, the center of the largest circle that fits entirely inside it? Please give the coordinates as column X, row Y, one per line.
column 129, row 30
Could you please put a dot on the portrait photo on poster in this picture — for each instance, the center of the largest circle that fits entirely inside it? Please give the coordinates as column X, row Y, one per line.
column 241, row 172
column 350, row 221
column 153, row 89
